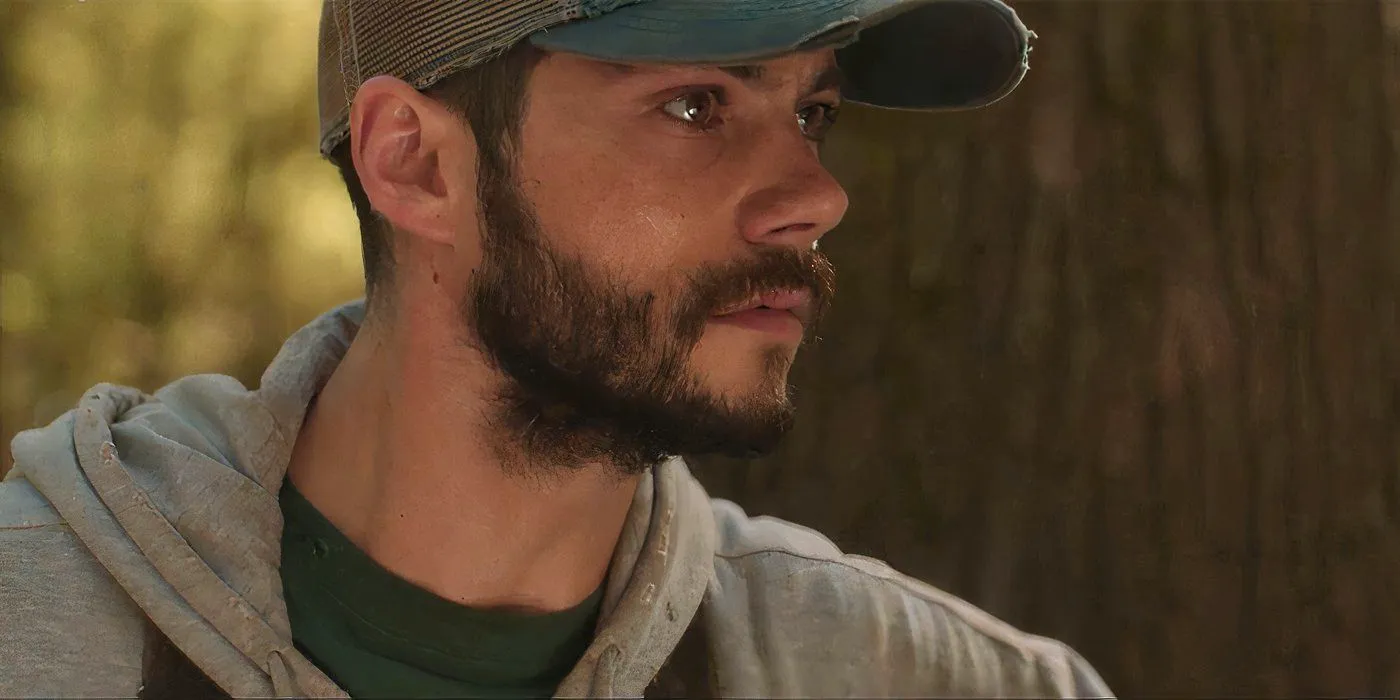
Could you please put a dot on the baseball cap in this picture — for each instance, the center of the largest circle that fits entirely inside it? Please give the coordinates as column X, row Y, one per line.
column 898, row 54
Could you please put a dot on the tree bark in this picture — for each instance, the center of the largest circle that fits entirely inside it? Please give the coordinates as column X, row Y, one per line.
column 1119, row 357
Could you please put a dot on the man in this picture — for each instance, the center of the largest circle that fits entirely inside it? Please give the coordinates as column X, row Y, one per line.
column 590, row 231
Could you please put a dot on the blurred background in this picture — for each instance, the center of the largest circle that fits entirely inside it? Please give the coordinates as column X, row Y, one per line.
column 1117, row 359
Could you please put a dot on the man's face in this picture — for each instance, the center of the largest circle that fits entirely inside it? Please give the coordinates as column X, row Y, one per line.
column 649, row 266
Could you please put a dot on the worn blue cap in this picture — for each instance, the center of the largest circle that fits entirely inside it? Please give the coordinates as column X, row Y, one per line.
column 902, row 54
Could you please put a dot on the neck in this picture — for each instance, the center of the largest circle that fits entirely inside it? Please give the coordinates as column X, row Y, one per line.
column 399, row 453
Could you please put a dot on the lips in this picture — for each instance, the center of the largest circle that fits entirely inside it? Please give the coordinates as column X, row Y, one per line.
column 796, row 301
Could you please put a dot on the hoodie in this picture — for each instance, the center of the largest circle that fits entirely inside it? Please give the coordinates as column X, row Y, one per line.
column 135, row 520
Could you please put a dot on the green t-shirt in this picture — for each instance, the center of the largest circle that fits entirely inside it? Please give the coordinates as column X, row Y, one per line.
column 378, row 635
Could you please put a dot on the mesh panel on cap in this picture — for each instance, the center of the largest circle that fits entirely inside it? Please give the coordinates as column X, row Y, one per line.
column 418, row 41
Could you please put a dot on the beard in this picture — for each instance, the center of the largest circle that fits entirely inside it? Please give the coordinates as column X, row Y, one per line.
column 595, row 373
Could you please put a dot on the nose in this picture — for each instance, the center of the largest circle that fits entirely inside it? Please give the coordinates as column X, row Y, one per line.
column 797, row 202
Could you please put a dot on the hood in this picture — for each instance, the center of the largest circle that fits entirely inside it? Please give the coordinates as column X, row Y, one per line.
column 175, row 494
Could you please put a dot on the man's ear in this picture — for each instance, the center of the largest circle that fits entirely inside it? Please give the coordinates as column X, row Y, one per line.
column 405, row 147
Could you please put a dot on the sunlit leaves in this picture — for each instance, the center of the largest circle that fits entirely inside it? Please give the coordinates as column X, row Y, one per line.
column 165, row 209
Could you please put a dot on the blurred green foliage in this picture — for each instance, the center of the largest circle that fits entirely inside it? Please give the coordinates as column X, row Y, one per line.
column 165, row 209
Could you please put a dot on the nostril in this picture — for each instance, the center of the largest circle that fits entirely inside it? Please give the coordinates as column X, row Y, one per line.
column 795, row 228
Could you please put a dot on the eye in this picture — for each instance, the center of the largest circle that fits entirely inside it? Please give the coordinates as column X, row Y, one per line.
column 699, row 109
column 816, row 120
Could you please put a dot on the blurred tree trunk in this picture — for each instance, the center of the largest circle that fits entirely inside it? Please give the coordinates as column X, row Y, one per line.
column 1119, row 358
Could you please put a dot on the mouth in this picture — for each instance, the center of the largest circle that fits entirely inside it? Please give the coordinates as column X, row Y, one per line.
column 778, row 310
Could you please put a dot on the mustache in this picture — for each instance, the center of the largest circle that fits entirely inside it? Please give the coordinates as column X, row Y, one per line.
column 717, row 286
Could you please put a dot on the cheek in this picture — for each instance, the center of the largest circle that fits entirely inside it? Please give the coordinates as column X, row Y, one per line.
column 637, row 232
column 643, row 204
column 639, row 240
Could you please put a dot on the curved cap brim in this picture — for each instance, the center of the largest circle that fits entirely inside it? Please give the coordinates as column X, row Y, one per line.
column 901, row 54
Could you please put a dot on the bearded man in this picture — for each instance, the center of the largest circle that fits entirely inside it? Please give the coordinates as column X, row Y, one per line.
column 590, row 233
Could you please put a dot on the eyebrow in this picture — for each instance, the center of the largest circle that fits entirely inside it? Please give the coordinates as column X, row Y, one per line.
column 747, row 73
column 831, row 77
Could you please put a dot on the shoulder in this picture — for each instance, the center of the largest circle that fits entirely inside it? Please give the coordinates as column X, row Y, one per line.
column 23, row 508
column 827, row 621
column 67, row 625
column 44, row 560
